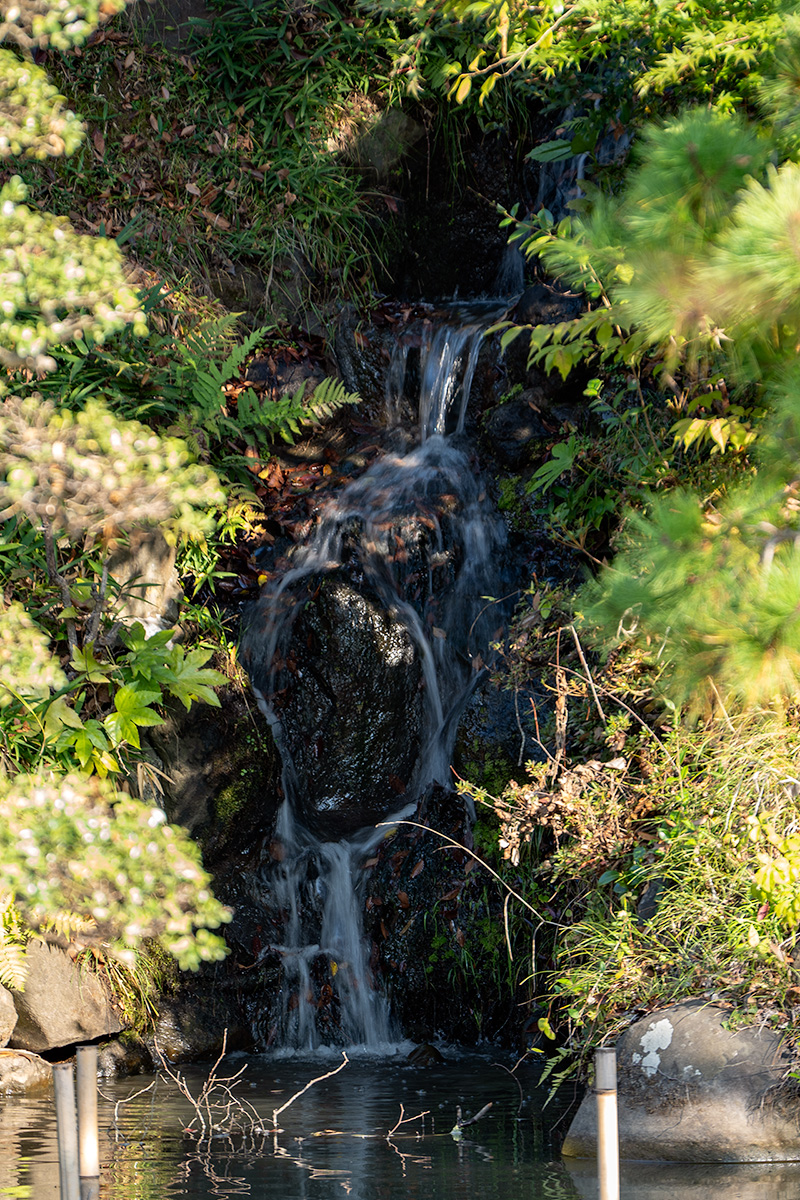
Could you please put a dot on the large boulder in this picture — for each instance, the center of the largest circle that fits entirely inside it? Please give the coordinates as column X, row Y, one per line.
column 62, row 1003
column 8, row 1015
column 691, row 1090
column 353, row 709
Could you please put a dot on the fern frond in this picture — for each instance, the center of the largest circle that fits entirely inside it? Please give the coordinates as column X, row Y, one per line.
column 65, row 923
column 237, row 356
column 330, row 396
column 13, row 968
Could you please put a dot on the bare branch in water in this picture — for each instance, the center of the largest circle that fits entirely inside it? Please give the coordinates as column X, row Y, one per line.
column 276, row 1112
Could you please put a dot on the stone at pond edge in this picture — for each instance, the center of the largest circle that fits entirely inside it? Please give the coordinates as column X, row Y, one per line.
column 61, row 1004
column 692, row 1091
column 23, row 1072
column 8, row 1015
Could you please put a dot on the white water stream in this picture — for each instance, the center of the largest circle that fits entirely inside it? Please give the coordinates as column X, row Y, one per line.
column 441, row 623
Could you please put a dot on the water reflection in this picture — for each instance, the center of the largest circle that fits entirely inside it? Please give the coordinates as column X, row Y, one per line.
column 343, row 1138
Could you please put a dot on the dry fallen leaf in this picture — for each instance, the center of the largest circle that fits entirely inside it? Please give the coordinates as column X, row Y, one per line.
column 215, row 219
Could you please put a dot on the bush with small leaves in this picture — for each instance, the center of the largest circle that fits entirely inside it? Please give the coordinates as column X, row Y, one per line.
column 34, row 24
column 75, row 846
column 27, row 668
column 55, row 285
column 33, row 120
column 88, row 472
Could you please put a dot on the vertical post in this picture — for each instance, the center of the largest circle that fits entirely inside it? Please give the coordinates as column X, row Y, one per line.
column 88, row 1143
column 67, row 1131
column 605, row 1086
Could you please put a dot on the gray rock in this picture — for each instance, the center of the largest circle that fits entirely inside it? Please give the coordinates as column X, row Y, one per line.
column 61, row 1004
column 692, row 1091
column 8, row 1015
column 22, row 1072
column 145, row 569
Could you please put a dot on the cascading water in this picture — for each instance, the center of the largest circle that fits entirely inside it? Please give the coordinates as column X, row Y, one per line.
column 362, row 657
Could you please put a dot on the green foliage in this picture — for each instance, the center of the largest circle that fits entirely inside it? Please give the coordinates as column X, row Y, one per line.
column 55, row 284
column 13, row 938
column 72, row 844
column 616, row 49
column 25, row 658
column 320, row 64
column 35, row 123
column 672, row 871
column 86, row 472
column 34, row 24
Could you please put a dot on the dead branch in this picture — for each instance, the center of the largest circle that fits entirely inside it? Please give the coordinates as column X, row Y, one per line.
column 276, row 1112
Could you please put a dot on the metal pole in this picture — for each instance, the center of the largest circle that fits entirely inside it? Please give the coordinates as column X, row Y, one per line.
column 67, row 1131
column 605, row 1086
column 88, row 1144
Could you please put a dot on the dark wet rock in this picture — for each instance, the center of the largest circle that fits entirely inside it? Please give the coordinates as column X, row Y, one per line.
column 425, row 1056
column 437, row 930
column 23, row 1072
column 513, row 430
column 691, row 1090
column 352, row 708
column 124, row 1056
column 193, row 1026
column 497, row 734
column 8, row 1015
column 220, row 767
column 62, row 1003
column 544, row 304
column 447, row 234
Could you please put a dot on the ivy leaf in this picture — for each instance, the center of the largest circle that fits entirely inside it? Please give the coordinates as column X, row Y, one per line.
column 189, row 680
column 132, row 711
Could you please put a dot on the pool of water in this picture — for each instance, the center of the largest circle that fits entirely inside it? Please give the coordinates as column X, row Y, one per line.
column 335, row 1139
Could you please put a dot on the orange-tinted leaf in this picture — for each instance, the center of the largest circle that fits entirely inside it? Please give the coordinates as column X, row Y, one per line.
column 417, row 868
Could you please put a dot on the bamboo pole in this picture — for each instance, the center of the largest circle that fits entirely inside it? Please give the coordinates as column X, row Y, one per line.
column 67, row 1131
column 88, row 1141
column 605, row 1086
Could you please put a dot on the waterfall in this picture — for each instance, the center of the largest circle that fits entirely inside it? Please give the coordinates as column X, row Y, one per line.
column 362, row 657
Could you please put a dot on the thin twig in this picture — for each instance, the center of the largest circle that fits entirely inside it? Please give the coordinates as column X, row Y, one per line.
column 579, row 648
column 276, row 1112
column 406, row 1120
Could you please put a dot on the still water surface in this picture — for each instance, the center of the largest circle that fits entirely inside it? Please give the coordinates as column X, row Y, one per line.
column 334, row 1141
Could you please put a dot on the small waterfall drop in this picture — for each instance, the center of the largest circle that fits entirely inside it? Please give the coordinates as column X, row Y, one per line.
column 362, row 657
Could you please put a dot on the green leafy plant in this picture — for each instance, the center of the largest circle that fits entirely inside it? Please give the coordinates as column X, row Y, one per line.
column 74, row 845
